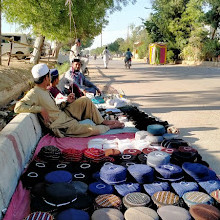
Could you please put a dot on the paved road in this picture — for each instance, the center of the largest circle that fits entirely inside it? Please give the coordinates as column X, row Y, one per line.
column 186, row 96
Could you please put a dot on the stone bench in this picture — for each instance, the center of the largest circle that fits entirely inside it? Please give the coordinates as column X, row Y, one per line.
column 17, row 143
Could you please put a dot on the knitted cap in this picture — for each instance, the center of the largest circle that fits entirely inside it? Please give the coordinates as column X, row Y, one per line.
column 184, row 187
column 136, row 199
column 139, row 213
column 162, row 198
column 49, row 153
column 125, row 188
column 173, row 212
column 156, row 187
column 204, row 212
column 95, row 155
column 142, row 173
column 72, row 155
column 147, row 150
column 107, row 214
column 194, row 198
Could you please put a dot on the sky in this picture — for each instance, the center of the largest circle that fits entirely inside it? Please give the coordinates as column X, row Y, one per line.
column 118, row 23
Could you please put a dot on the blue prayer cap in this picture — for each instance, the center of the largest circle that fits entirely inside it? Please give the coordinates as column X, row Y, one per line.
column 54, row 72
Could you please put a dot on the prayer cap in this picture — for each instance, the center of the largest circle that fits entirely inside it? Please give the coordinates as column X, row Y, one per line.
column 39, row 70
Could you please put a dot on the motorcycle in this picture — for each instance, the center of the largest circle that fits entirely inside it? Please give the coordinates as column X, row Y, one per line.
column 128, row 63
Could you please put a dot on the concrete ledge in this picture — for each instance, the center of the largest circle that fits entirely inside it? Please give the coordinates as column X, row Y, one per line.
column 17, row 143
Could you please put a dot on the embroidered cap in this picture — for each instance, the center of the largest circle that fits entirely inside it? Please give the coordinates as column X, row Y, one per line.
column 136, row 199
column 107, row 214
column 113, row 174
column 204, row 212
column 39, row 216
column 156, row 187
column 194, row 198
column 162, row 198
column 157, row 158
column 125, row 188
column 99, row 188
column 142, row 173
column 108, row 201
column 173, row 212
column 141, row 213
column 73, row 214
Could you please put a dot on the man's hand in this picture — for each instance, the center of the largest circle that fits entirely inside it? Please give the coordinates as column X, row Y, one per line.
column 99, row 92
column 45, row 115
column 71, row 98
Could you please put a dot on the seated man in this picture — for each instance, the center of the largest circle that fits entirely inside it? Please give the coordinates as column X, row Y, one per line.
column 56, row 93
column 73, row 75
column 66, row 122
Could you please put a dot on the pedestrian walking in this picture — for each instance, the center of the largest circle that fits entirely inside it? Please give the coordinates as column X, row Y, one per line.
column 106, row 57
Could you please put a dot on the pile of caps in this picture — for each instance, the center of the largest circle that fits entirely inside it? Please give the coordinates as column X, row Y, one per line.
column 165, row 179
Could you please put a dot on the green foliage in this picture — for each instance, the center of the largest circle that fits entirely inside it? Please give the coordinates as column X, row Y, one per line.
column 210, row 49
column 170, row 56
column 50, row 17
column 62, row 68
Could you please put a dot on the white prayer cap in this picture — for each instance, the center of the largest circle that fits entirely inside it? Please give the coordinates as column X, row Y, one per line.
column 39, row 70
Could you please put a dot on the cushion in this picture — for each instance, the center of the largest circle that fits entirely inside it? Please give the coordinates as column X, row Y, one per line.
column 139, row 213
column 169, row 172
column 156, row 187
column 73, row 214
column 59, row 176
column 60, row 194
column 184, row 187
column 108, row 201
column 194, row 198
column 204, row 212
column 39, row 216
column 136, row 199
column 157, row 158
column 100, row 188
column 210, row 186
column 156, row 129
column 142, row 173
column 199, row 172
column 113, row 174
column 125, row 188
column 162, row 198
column 107, row 214
column 173, row 212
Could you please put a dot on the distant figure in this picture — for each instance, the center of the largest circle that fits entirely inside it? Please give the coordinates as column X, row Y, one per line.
column 94, row 56
column 106, row 56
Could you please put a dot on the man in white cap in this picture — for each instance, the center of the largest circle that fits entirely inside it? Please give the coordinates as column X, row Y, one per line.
column 66, row 122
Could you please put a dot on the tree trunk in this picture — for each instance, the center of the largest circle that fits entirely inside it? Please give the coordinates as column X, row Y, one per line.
column 38, row 44
column 57, row 49
column 213, row 33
